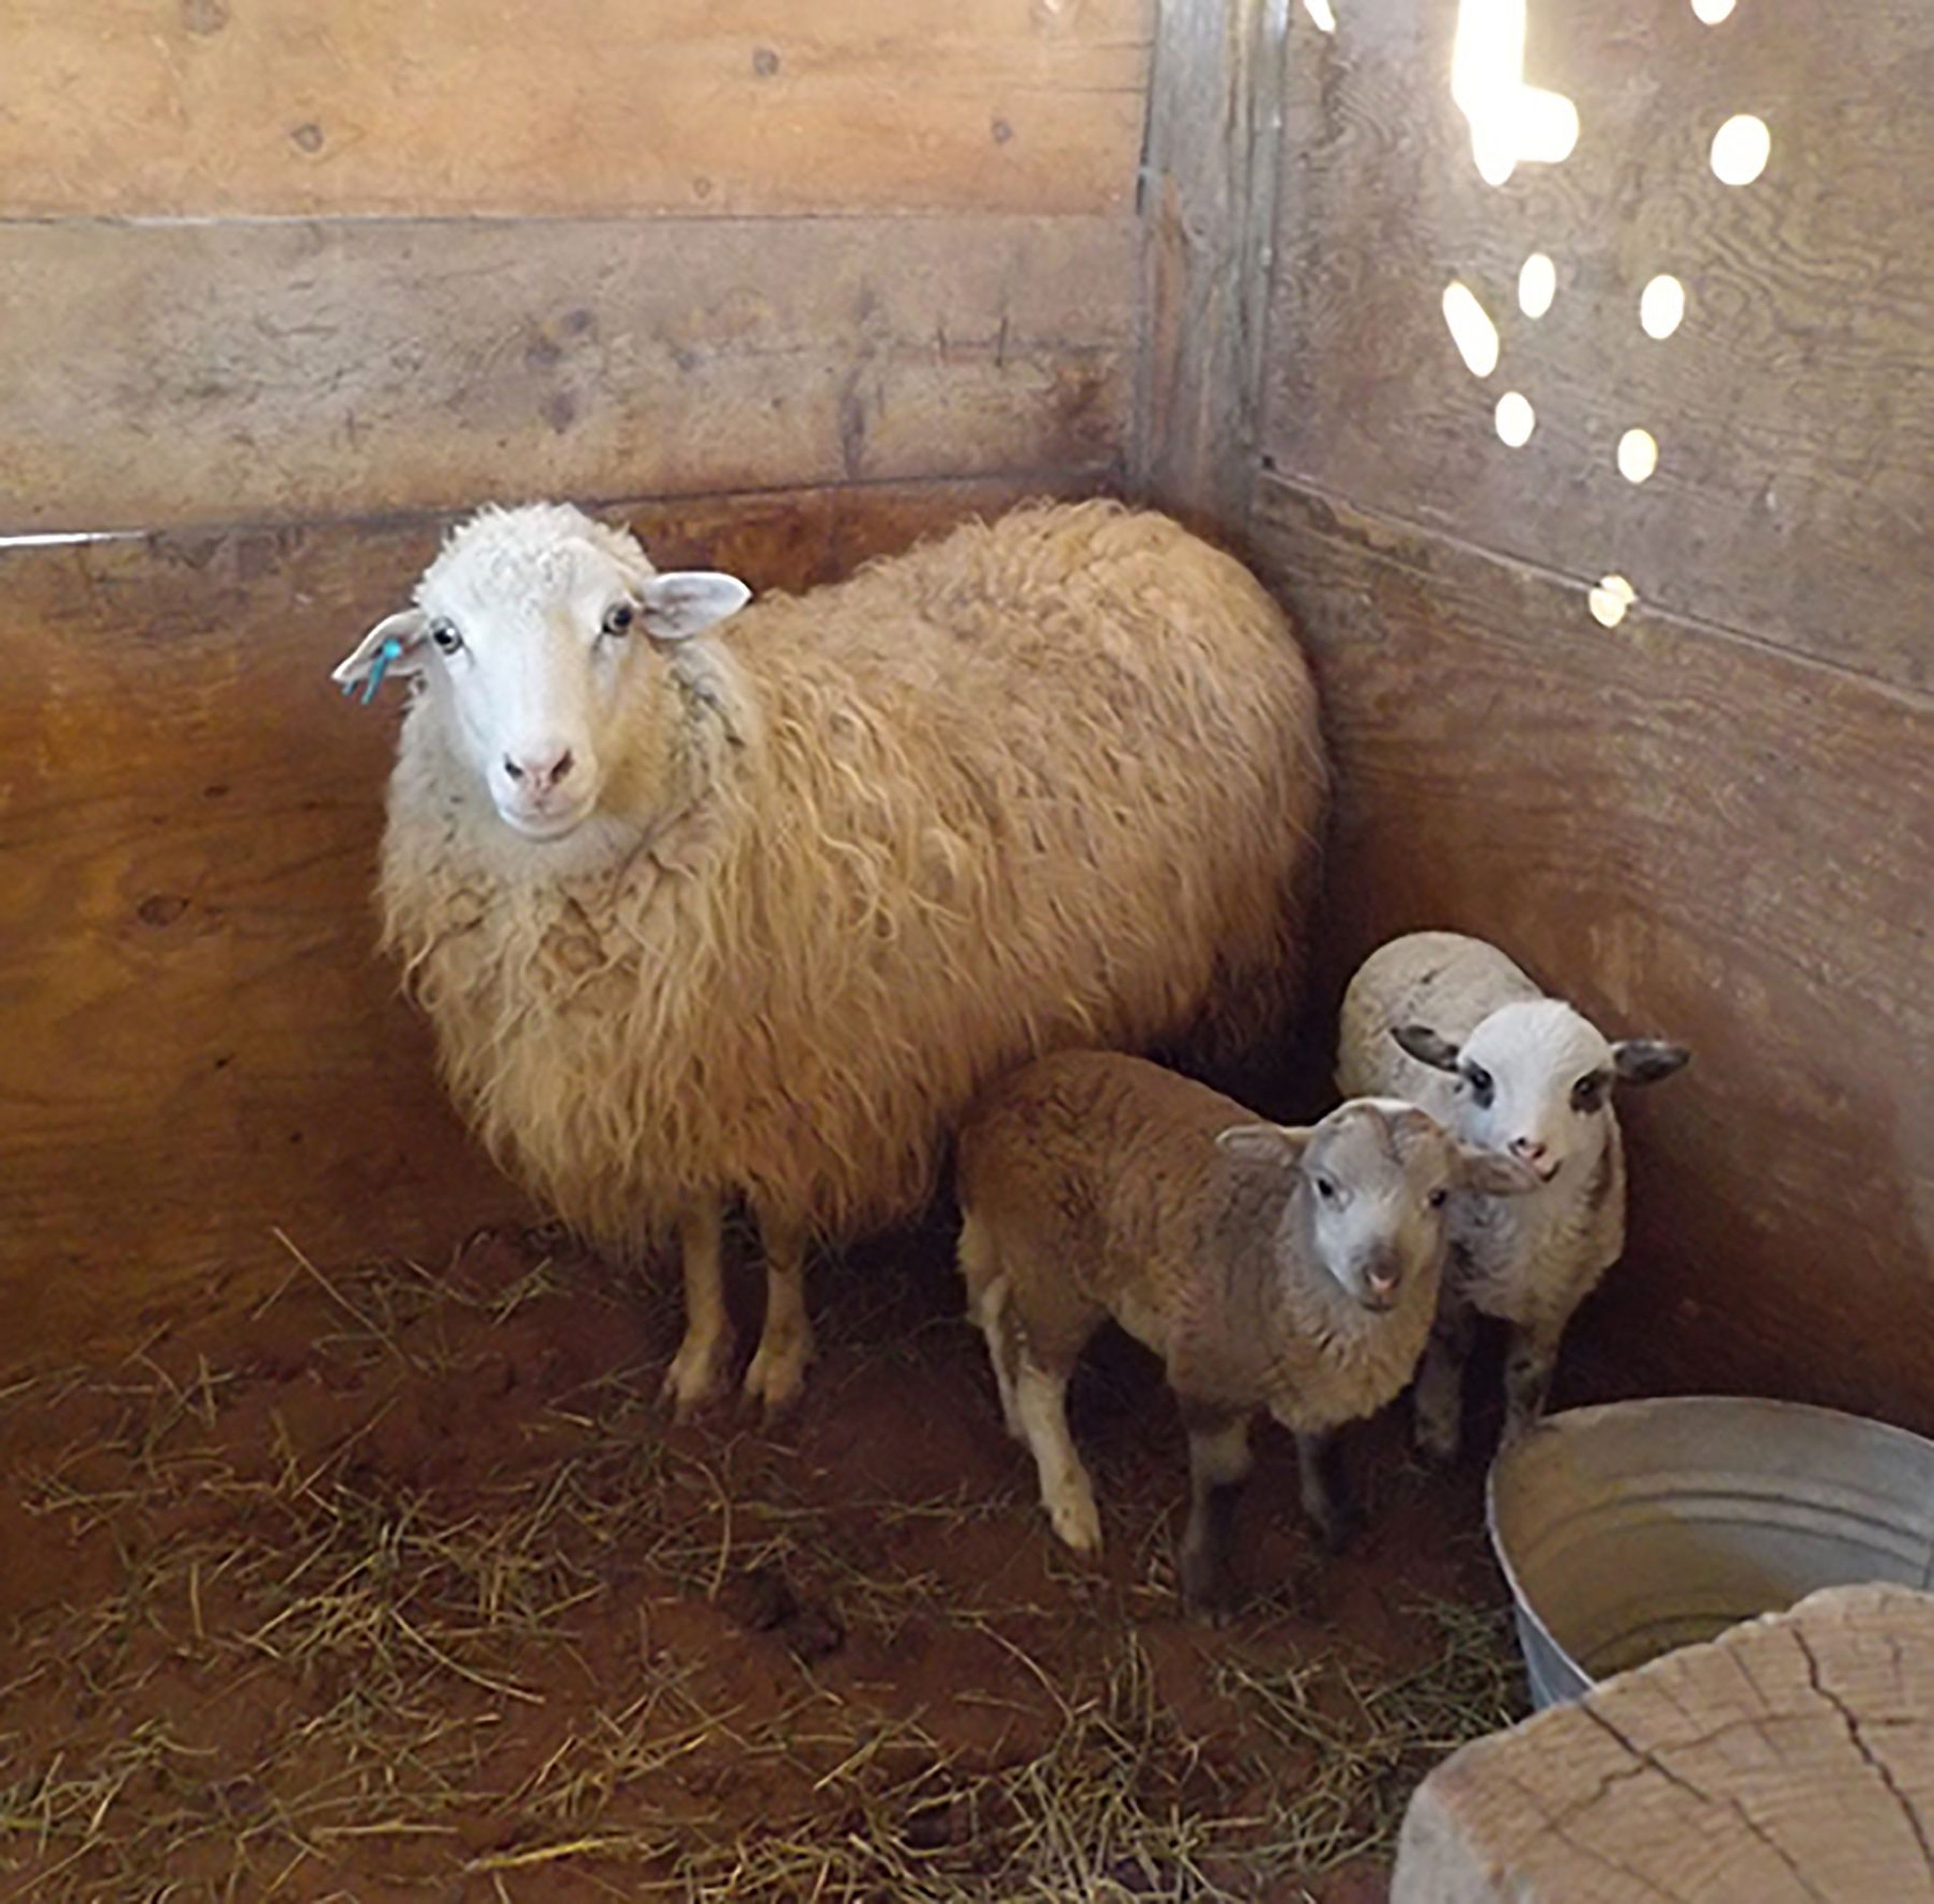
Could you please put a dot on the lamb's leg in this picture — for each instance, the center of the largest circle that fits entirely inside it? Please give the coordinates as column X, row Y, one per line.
column 1040, row 1400
column 698, row 1372
column 1530, row 1359
column 778, row 1371
column 1218, row 1463
column 1440, row 1383
column 989, row 1308
column 1326, row 1497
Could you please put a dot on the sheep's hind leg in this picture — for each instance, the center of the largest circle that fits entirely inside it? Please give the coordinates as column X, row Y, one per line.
column 696, row 1375
column 777, row 1375
column 1041, row 1399
column 1218, row 1463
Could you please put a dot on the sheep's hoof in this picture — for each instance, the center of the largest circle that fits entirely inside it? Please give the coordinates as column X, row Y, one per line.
column 696, row 1379
column 1209, row 1592
column 776, row 1378
column 1339, row 1526
column 1076, row 1522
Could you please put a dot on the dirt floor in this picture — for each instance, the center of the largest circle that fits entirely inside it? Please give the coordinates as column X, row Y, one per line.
column 397, row 1585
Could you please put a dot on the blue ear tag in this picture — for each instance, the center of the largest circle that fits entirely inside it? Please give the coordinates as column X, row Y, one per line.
column 385, row 655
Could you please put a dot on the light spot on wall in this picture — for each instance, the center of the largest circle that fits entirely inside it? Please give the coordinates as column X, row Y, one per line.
column 1662, row 307
column 1740, row 148
column 1472, row 330
column 1712, row 11
column 1537, row 284
column 1516, row 418
column 1610, row 599
column 1319, row 10
column 1638, row 455
column 1511, row 122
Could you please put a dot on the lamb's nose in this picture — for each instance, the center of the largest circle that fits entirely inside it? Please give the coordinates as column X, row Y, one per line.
column 542, row 771
column 1533, row 1150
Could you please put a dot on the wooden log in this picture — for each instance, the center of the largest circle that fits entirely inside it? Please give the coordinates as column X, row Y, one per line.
column 1791, row 1762
column 199, row 1045
column 236, row 373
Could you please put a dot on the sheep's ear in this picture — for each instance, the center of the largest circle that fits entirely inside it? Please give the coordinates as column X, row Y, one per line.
column 1265, row 1143
column 1492, row 1174
column 687, row 601
column 1426, row 1046
column 393, row 646
column 1645, row 1060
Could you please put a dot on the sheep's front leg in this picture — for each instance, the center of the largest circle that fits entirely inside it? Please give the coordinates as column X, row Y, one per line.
column 1440, row 1383
column 1530, row 1359
column 1040, row 1400
column 778, row 1372
column 696, row 1375
column 1218, row 1463
column 1326, row 1497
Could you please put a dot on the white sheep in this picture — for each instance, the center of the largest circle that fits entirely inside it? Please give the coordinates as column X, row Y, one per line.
column 1295, row 1270
column 1451, row 1023
column 752, row 913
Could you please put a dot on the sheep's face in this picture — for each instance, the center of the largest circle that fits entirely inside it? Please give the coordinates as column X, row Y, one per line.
column 1374, row 1179
column 1536, row 1079
column 525, row 631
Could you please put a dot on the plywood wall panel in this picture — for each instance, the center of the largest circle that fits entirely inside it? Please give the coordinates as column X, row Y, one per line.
column 1694, row 836
column 223, row 107
column 1793, row 410
column 231, row 372
column 197, row 1042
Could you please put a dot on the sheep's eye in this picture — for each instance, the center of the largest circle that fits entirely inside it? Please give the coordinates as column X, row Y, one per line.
column 1481, row 1082
column 446, row 637
column 1437, row 1198
column 1325, row 1188
column 1589, row 1093
column 618, row 618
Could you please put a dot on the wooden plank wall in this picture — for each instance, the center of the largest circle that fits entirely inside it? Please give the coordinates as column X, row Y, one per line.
column 280, row 287
column 1715, row 820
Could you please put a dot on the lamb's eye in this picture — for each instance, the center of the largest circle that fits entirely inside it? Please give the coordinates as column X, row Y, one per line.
column 446, row 637
column 1589, row 1093
column 1481, row 1082
column 1325, row 1188
column 618, row 618
column 1437, row 1198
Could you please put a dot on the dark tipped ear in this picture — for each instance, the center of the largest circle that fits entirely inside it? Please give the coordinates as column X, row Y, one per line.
column 1492, row 1173
column 1264, row 1143
column 1645, row 1060
column 1426, row 1046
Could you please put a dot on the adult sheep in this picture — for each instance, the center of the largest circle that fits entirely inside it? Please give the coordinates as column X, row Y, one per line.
column 704, row 913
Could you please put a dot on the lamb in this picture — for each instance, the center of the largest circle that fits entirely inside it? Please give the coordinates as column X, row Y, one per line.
column 1295, row 1270
column 708, row 914
column 1451, row 1023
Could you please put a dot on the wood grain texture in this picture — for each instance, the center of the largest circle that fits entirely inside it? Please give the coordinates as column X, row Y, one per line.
column 1793, row 410
column 196, row 1040
column 1694, row 837
column 224, row 373
column 1208, row 194
column 1791, row 1762
column 219, row 107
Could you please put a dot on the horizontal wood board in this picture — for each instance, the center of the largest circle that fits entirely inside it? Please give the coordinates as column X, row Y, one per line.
column 202, row 108
column 219, row 373
column 1693, row 837
column 1794, row 407
column 198, row 1043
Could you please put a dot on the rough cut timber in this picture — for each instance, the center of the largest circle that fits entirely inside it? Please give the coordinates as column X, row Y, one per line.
column 1791, row 1761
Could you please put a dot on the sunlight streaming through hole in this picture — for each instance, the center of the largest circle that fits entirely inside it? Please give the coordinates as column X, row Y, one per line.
column 1537, row 285
column 1472, row 330
column 1319, row 10
column 1638, row 455
column 1662, row 306
column 1509, row 120
column 1610, row 599
column 1740, row 148
column 1711, row 12
column 1516, row 418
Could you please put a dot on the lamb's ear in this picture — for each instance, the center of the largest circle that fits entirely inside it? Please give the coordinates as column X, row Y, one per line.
column 393, row 646
column 1426, row 1046
column 1265, row 1143
column 1493, row 1172
column 689, row 601
column 1645, row 1060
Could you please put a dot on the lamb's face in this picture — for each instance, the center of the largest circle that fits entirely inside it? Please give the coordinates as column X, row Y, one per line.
column 526, row 628
column 1536, row 1079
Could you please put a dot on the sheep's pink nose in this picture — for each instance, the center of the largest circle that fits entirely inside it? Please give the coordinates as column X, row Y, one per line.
column 1533, row 1150
column 541, row 771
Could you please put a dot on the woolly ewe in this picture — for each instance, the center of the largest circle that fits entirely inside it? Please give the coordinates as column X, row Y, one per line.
column 1290, row 1270
column 1452, row 1023
column 705, row 912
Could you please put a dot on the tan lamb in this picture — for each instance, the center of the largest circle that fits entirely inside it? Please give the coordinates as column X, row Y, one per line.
column 1290, row 1270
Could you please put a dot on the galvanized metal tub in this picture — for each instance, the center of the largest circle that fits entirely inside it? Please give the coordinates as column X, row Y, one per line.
column 1627, row 1530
